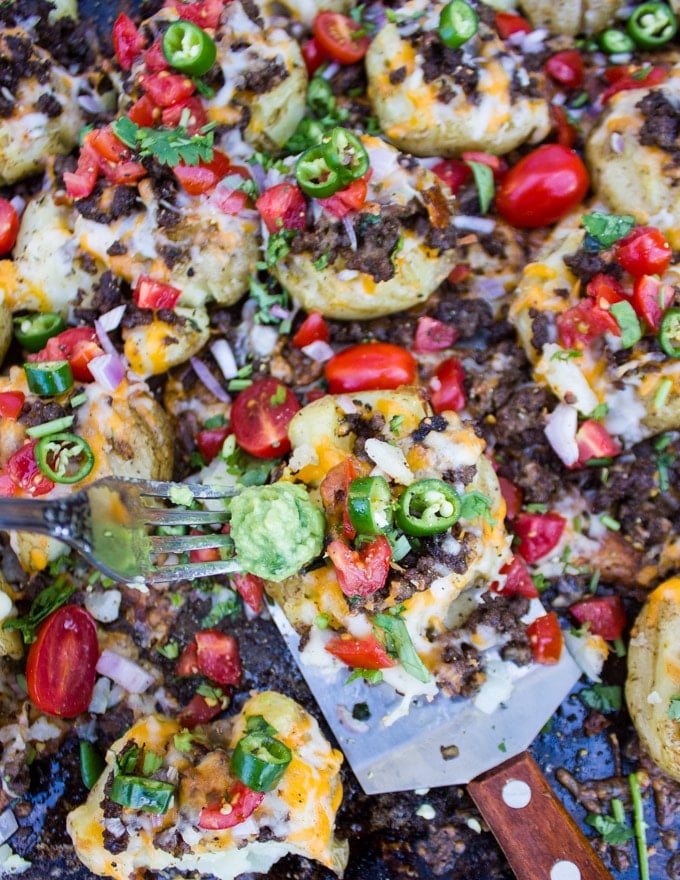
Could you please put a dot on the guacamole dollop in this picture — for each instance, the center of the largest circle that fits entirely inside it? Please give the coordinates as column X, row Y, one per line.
column 276, row 529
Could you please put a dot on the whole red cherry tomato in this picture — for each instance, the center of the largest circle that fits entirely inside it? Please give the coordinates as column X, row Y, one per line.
column 60, row 670
column 260, row 416
column 370, row 365
column 542, row 187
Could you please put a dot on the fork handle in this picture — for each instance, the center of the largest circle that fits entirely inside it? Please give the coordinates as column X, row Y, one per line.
column 31, row 515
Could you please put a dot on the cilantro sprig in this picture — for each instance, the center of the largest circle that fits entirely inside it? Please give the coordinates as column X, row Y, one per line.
column 168, row 146
column 47, row 601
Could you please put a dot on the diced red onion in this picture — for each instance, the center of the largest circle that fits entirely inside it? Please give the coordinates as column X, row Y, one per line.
column 125, row 672
column 483, row 225
column 104, row 605
column 560, row 432
column 8, row 824
column 108, row 370
column 103, row 337
column 345, row 717
column 209, row 380
column 489, row 288
column 279, row 312
column 617, row 142
column 258, row 175
column 351, row 234
column 263, row 339
column 318, row 351
column 111, row 320
column 224, row 356
column 330, row 70
column 18, row 203
column 529, row 43
column 347, row 275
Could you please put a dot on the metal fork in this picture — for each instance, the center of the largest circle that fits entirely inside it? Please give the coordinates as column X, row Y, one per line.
column 111, row 523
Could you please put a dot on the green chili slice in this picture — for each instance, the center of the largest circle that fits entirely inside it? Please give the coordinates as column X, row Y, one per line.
column 615, row 42
column 91, row 763
column 33, row 331
column 138, row 793
column 315, row 176
column 188, row 48
column 260, row 760
column 458, row 23
column 669, row 333
column 428, row 507
column 369, row 505
column 652, row 24
column 64, row 458
column 346, row 154
column 48, row 378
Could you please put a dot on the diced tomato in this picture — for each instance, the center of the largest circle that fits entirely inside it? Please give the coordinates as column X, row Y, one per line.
column 80, row 183
column 433, row 335
column 605, row 615
column 166, row 89
column 538, row 533
column 582, row 323
column 106, row 143
column 152, row 294
column 200, row 710
column 218, row 656
column 313, row 329
column 77, row 345
column 229, row 201
column 595, row 441
column 187, row 662
column 545, row 637
column 243, row 802
column 508, row 23
column 624, row 78
column 446, row 387
column 8, row 488
column 260, row 416
column 340, row 37
column 366, row 653
column 250, row 588
column 370, row 365
column 496, row 163
column 512, row 495
column 11, row 403
column 144, row 112
column 459, row 273
column 204, row 554
column 361, row 572
column 334, row 491
column 9, row 226
column 566, row 68
column 567, row 135
column 282, row 206
column 313, row 55
column 198, row 179
column 204, row 13
column 349, row 199
column 196, row 117
column 454, row 173
column 122, row 172
column 154, row 59
column 22, row 467
column 210, row 441
column 651, row 298
column 517, row 580
column 644, row 251
column 128, row 42
column 605, row 290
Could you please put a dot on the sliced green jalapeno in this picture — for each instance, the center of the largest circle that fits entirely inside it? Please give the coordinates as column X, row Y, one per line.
column 615, row 42
column 33, row 331
column 669, row 333
column 91, row 763
column 315, row 176
column 260, row 760
column 346, row 154
column 370, row 505
column 64, row 458
column 652, row 24
column 138, row 793
column 48, row 378
column 188, row 48
column 458, row 23
column 428, row 507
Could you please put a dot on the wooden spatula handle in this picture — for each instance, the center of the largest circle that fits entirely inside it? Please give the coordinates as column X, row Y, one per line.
column 540, row 839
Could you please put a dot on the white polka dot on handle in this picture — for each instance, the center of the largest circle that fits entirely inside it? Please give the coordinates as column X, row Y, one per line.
column 565, row 871
column 516, row 794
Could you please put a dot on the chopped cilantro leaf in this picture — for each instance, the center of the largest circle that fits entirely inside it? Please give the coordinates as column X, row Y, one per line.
column 484, row 182
column 628, row 321
column 169, row 146
column 674, row 708
column 604, row 698
column 607, row 228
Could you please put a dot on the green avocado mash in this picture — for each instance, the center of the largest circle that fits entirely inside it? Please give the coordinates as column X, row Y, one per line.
column 276, row 529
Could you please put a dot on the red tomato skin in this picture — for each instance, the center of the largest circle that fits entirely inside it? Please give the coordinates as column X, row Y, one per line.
column 187, row 662
column 624, row 78
column 197, row 117
column 517, row 580
column 128, row 42
column 80, row 183
column 605, row 290
column 366, row 653
column 154, row 59
column 546, row 639
column 22, row 467
column 204, row 554
column 361, row 572
column 260, row 425
column 334, row 32
column 605, row 615
column 282, row 206
column 205, row 13
column 217, row 656
column 446, row 387
column 433, row 335
column 453, row 172
column 651, row 298
column 595, row 441
column 9, row 226
column 567, row 135
column 507, row 24
column 334, row 491
column 210, row 441
column 370, row 365
column 349, row 199
column 152, row 294
column 11, row 403
column 250, row 588
column 496, row 163
column 644, row 251
column 60, row 668
column 313, row 329
column 538, row 534
column 243, row 801
column 512, row 495
column 77, row 345
column 542, row 187
column 166, row 89
column 566, row 68
column 200, row 710
column 584, row 322
column 8, row 488
column 313, row 56
column 144, row 112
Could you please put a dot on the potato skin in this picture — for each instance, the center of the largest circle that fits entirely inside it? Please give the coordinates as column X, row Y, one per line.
column 654, row 675
column 5, row 329
column 571, row 17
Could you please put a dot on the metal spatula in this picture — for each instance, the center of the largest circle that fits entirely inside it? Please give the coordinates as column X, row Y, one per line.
column 447, row 742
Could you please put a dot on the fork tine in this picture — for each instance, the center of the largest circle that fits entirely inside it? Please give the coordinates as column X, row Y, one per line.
column 159, row 516
column 164, row 489
column 183, row 543
column 191, row 571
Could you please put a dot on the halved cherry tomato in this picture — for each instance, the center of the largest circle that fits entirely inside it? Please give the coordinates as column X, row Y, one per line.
column 197, row 179
column 9, row 226
column 200, row 710
column 152, row 294
column 446, row 387
column 538, row 533
column 340, row 37
column 604, row 615
column 508, row 23
column 605, row 290
column 370, row 365
column 313, row 56
column 313, row 329
column 211, row 440
column 250, row 588
column 243, row 801
column 644, row 251
column 433, row 335
column 282, row 207
column 595, row 441
column 584, row 322
column 454, row 173
column 366, row 653
column 567, row 135
column 361, row 572
column 60, row 668
column 165, row 88
column 545, row 637
column 517, row 580
column 22, row 467
column 349, row 199
column 128, row 42
column 204, row 13
column 651, row 298
column 566, row 68
column 217, row 656
column 624, row 78
column 542, row 187
column 512, row 495
column 11, row 403
column 260, row 416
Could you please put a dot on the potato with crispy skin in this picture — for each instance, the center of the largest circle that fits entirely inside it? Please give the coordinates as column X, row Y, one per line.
column 571, row 17
column 5, row 329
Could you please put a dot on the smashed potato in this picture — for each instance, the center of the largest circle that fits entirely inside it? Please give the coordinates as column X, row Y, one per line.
column 571, row 17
